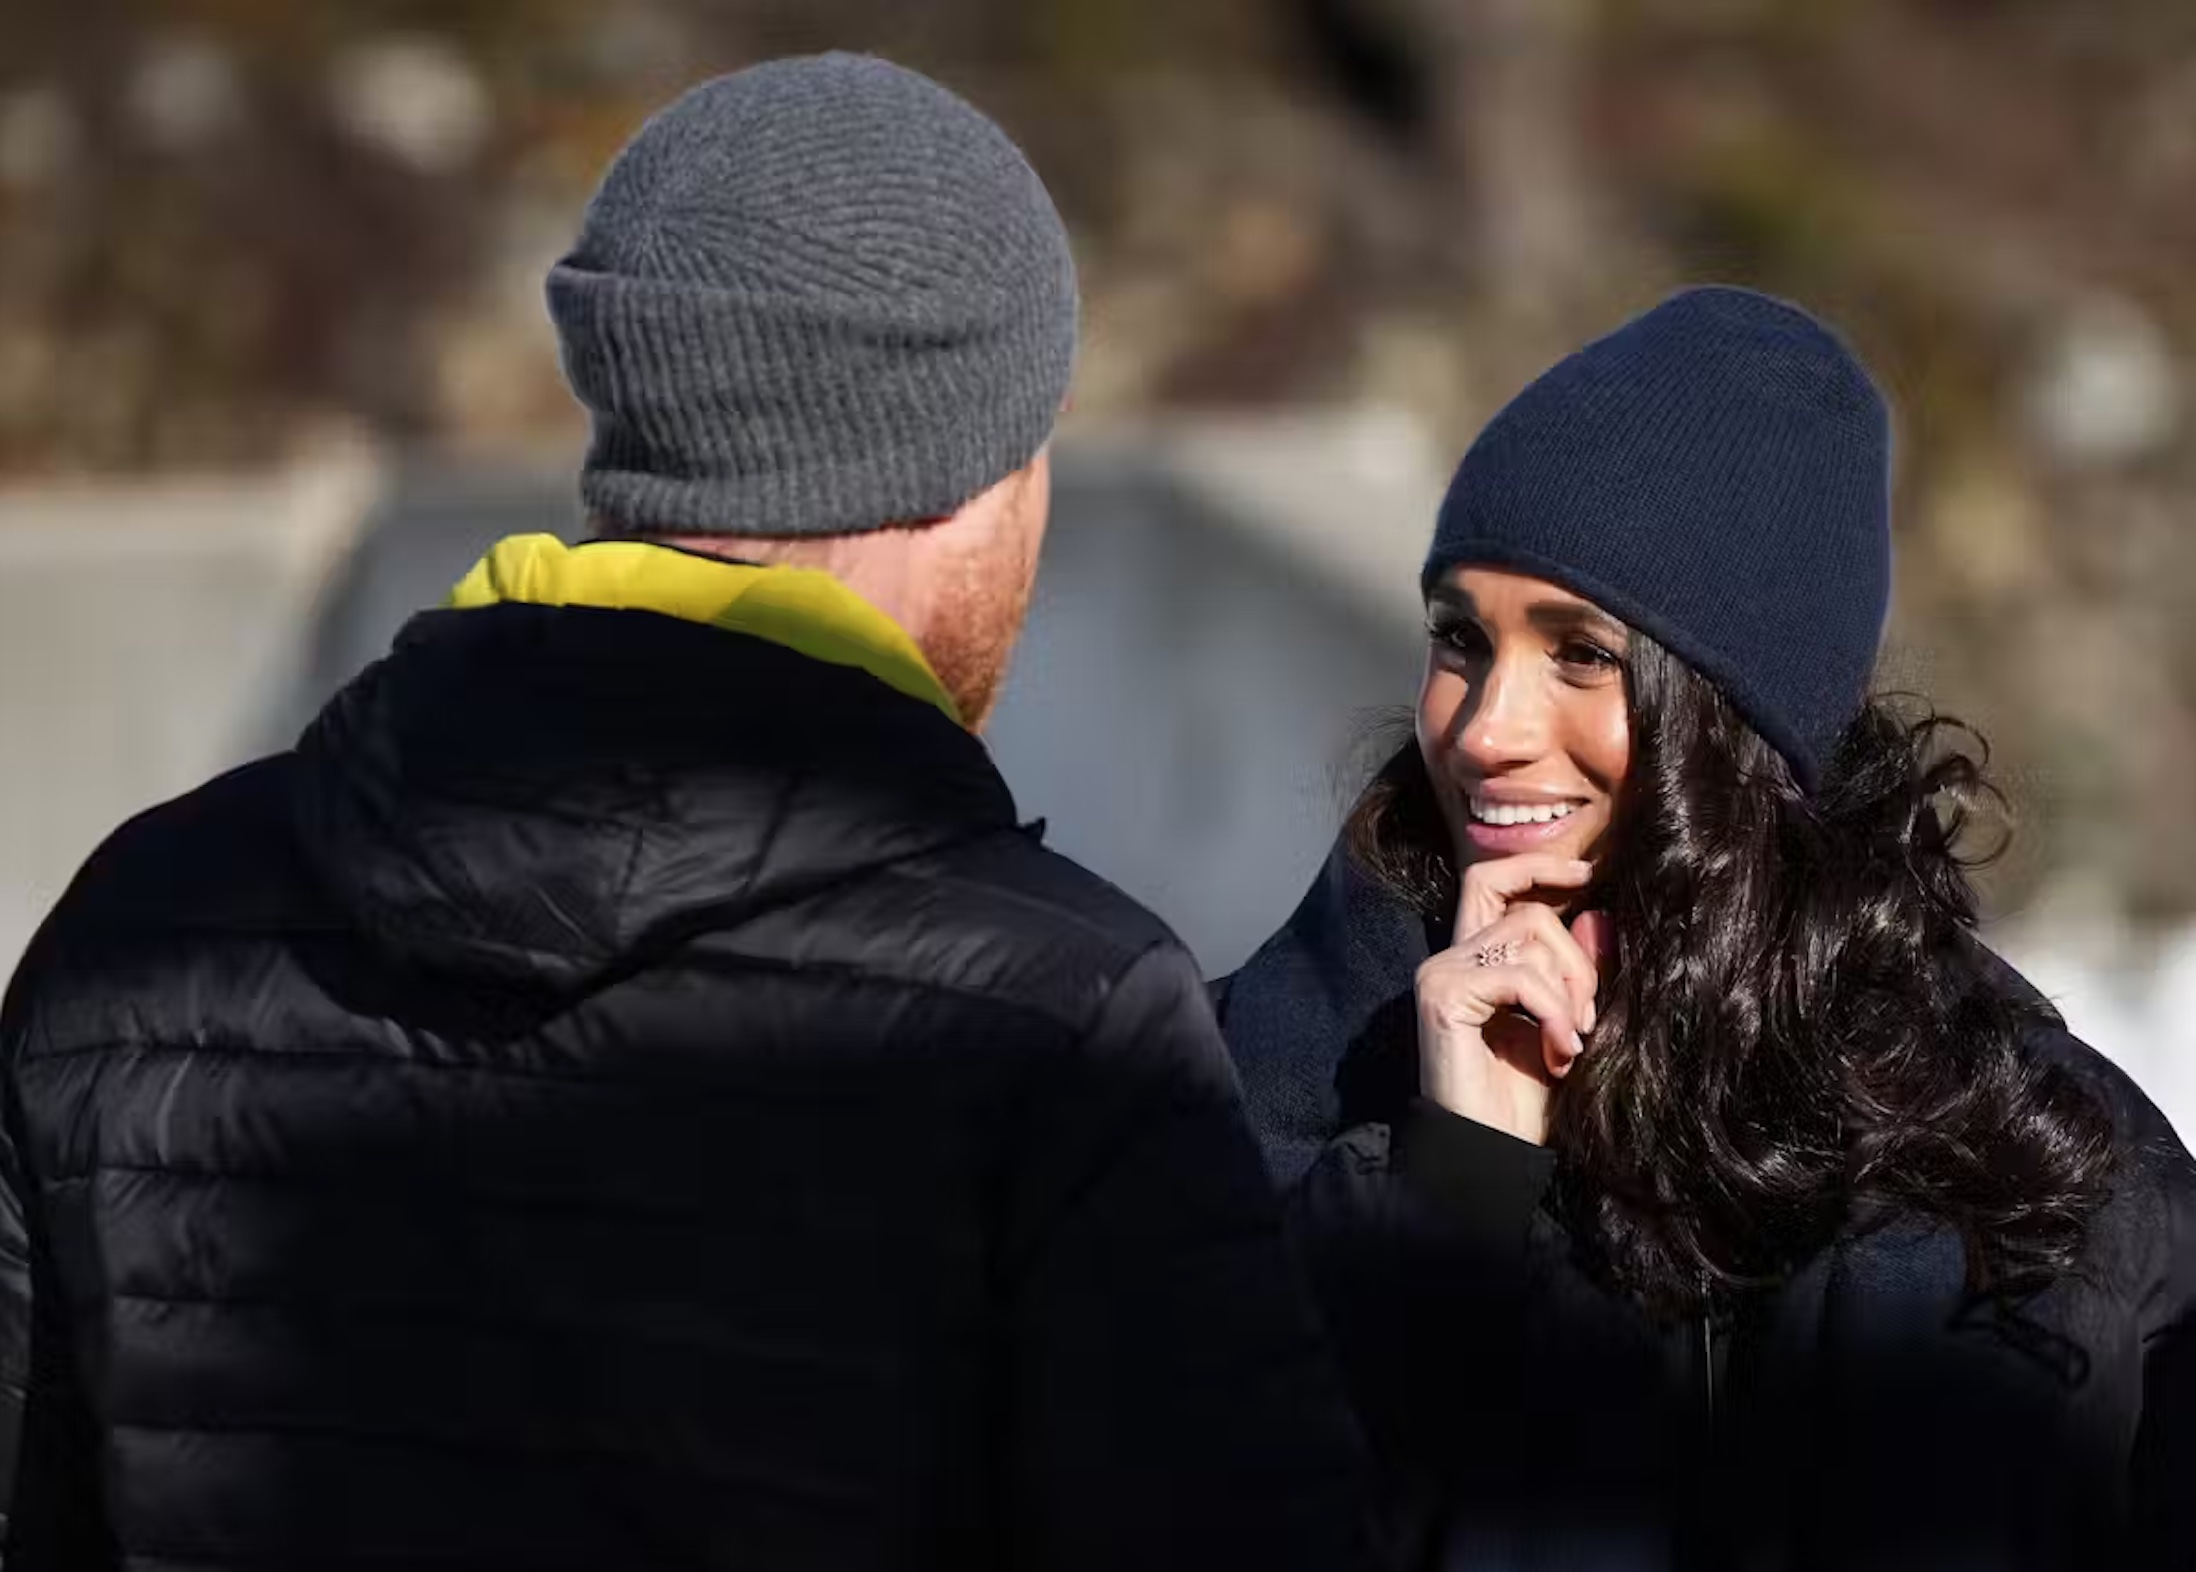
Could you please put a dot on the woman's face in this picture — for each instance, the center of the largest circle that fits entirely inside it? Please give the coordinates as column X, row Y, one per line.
column 1523, row 719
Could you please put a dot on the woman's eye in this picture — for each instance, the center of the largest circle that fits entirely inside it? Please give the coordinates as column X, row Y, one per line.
column 1587, row 655
column 1466, row 638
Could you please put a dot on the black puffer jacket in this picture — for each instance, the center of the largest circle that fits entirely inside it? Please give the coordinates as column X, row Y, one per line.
column 622, row 1095
column 1861, row 1416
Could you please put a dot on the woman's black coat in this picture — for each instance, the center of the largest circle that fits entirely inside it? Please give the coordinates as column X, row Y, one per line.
column 1862, row 1415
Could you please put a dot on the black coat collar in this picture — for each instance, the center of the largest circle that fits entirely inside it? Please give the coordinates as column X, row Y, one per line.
column 544, row 793
column 1321, row 1019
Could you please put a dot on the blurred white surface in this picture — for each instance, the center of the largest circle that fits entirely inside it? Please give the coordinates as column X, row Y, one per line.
column 142, row 631
column 2129, row 996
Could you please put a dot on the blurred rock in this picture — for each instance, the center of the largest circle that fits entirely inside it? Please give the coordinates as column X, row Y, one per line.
column 416, row 99
column 185, row 94
column 39, row 136
column 2103, row 388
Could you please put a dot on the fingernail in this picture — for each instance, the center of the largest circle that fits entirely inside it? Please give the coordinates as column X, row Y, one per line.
column 1578, row 1044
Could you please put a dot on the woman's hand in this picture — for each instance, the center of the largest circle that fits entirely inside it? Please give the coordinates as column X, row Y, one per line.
column 1503, row 1012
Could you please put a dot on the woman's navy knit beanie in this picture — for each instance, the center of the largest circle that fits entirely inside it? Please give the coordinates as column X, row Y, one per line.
column 1716, row 473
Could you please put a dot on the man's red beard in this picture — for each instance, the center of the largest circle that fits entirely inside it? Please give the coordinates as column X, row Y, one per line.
column 971, row 640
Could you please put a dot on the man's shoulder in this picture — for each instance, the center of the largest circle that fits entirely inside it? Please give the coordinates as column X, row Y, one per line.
column 212, row 859
column 177, row 855
column 1017, row 920
column 1056, row 892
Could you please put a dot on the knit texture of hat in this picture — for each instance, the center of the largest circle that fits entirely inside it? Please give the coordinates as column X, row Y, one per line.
column 817, row 296
column 1716, row 473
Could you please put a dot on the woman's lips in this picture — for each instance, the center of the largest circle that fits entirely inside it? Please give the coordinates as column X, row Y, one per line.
column 1507, row 839
column 1502, row 823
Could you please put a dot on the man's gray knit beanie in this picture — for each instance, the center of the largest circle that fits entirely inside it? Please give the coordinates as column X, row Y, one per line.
column 818, row 296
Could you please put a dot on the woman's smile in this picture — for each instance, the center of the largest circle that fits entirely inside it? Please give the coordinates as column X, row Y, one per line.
column 1499, row 826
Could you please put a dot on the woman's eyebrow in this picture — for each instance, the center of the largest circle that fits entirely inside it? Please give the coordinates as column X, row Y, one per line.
column 1570, row 616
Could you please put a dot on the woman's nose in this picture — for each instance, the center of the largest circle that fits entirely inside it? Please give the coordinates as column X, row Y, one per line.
column 1505, row 720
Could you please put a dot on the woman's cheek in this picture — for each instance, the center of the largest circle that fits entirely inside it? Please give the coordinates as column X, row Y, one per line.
column 1605, row 750
column 1439, row 699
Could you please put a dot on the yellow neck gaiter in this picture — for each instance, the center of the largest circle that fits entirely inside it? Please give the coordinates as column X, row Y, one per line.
column 800, row 608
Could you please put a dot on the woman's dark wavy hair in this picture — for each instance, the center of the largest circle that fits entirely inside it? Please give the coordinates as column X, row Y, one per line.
column 1799, row 1036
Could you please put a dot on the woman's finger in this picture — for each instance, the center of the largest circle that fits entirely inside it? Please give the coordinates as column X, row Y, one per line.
column 1544, row 998
column 1536, row 928
column 1595, row 936
column 1459, row 992
column 1489, row 888
column 1572, row 966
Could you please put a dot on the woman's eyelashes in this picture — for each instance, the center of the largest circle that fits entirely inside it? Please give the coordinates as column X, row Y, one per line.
column 1461, row 634
column 1580, row 659
column 1583, row 657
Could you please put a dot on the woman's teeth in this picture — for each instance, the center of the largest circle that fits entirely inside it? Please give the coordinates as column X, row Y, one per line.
column 1521, row 813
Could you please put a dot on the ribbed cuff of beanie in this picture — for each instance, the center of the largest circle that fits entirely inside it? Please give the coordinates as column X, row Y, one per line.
column 713, row 413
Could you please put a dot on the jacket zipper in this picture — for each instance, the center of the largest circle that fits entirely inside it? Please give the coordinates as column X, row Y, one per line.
column 1706, row 1541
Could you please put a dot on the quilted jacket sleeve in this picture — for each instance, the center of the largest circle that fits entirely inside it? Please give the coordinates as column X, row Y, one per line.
column 1173, row 1404
column 15, row 1320
column 49, row 1517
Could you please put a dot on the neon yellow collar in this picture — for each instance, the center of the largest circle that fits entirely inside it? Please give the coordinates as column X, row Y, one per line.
column 800, row 608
